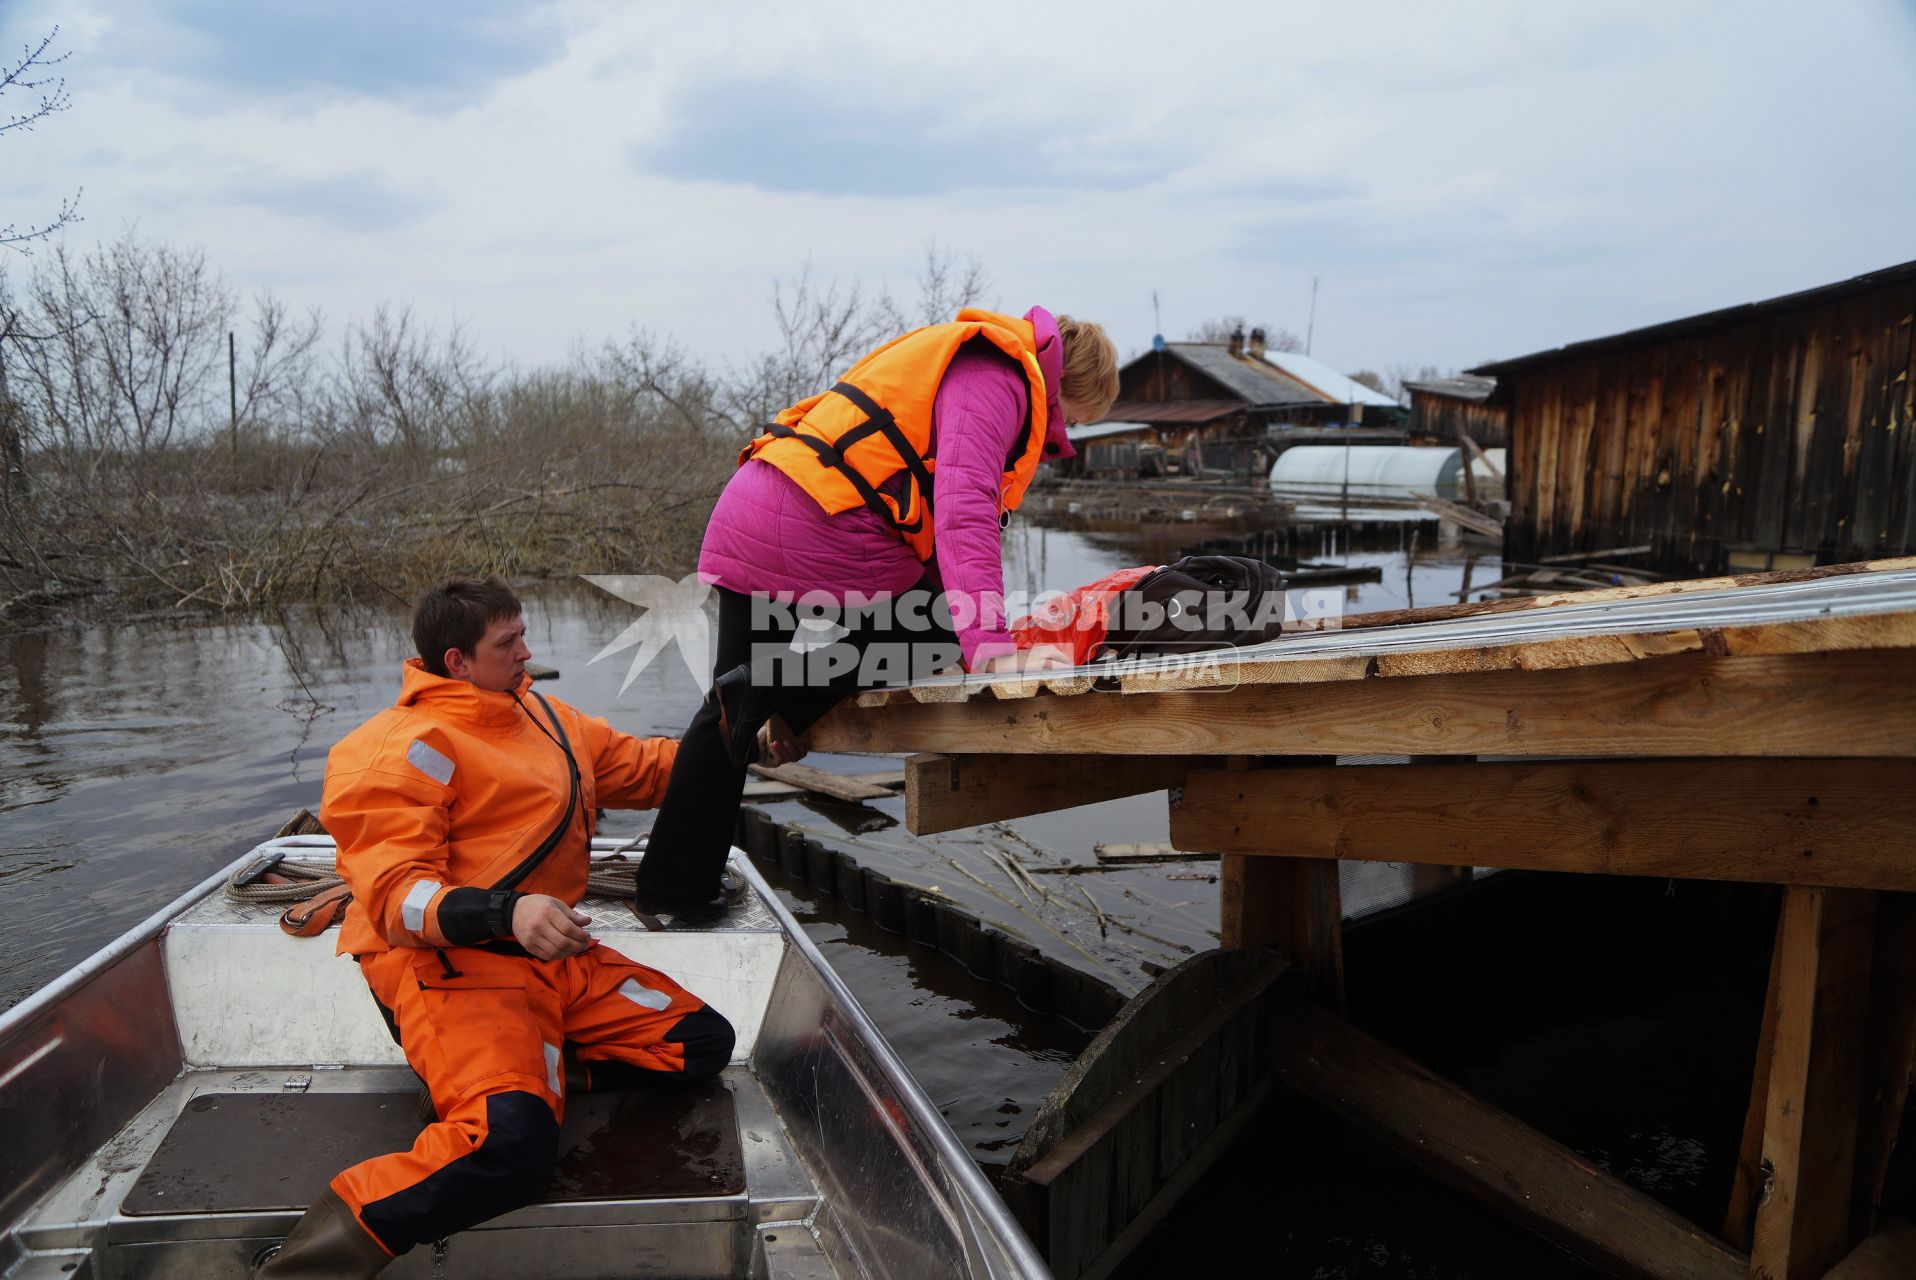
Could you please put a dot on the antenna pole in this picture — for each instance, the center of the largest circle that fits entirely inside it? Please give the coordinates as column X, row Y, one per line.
column 1310, row 327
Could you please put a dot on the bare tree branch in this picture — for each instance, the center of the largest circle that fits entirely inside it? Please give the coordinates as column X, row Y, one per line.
column 32, row 74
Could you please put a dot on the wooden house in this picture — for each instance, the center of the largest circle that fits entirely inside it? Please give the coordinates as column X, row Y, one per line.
column 1770, row 435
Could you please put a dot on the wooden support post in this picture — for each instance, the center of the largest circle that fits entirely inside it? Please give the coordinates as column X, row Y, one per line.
column 946, row 792
column 1824, row 944
column 1290, row 905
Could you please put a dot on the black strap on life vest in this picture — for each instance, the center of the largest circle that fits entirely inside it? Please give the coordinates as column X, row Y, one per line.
column 878, row 421
column 531, row 863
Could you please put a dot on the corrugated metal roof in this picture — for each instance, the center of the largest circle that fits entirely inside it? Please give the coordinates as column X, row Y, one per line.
column 1184, row 411
column 1253, row 381
column 1326, row 382
column 1463, row 387
column 1711, row 319
column 1099, row 430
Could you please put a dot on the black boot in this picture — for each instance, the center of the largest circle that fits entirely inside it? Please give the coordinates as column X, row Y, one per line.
column 694, row 912
column 327, row 1244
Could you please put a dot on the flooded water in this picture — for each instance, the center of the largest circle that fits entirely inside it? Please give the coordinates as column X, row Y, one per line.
column 135, row 760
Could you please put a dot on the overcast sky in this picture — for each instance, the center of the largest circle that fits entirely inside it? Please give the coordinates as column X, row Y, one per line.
column 1469, row 180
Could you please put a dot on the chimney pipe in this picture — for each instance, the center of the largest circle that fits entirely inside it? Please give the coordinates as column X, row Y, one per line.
column 1257, row 344
column 1237, row 341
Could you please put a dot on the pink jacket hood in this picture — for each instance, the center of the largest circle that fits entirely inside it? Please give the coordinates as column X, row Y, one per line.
column 1057, row 445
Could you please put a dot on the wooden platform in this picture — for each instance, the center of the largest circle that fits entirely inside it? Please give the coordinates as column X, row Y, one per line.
column 1755, row 728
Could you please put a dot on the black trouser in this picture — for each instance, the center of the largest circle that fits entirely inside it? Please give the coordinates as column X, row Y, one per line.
column 696, row 822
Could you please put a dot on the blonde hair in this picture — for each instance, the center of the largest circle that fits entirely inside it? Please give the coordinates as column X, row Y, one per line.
column 1090, row 366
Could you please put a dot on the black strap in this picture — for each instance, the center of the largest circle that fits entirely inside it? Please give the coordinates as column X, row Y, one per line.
column 879, row 417
column 830, row 457
column 551, row 842
column 878, row 421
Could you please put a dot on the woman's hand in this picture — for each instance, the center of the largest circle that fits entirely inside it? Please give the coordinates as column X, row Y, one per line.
column 777, row 744
column 1039, row 657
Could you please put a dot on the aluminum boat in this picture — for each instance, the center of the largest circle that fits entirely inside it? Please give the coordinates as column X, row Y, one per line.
column 168, row 1106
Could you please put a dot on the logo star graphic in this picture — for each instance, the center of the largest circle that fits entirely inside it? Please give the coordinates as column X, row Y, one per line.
column 673, row 611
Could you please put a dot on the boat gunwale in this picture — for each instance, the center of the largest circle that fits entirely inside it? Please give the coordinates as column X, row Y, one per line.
column 967, row 1178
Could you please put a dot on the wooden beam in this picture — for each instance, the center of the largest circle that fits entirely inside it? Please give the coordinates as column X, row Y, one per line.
column 1809, row 1128
column 946, row 792
column 1816, row 822
column 1841, row 704
column 1489, row 1154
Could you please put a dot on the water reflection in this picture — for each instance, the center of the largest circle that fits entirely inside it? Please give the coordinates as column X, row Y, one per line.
column 136, row 760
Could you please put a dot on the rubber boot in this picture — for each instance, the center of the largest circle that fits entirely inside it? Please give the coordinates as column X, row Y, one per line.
column 327, row 1244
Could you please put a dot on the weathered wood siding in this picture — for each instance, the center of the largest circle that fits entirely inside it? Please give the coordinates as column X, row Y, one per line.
column 1160, row 377
column 1786, row 432
column 1445, row 417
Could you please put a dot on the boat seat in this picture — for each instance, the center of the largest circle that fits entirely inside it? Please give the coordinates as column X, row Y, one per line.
column 262, row 1152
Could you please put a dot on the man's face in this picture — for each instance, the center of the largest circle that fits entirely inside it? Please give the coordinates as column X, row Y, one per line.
column 498, row 661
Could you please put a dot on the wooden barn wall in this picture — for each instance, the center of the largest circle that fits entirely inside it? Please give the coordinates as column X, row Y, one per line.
column 1443, row 417
column 1163, row 378
column 1789, row 432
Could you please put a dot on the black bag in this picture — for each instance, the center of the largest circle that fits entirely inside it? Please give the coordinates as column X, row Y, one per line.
column 1200, row 602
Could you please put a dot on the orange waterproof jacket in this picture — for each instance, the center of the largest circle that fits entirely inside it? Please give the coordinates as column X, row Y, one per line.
column 438, row 798
column 875, row 423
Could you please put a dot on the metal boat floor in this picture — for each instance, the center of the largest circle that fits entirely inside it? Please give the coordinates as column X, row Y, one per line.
column 258, row 1152
column 692, row 1182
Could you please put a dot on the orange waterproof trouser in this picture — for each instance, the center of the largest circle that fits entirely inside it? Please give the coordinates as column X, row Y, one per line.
column 486, row 1032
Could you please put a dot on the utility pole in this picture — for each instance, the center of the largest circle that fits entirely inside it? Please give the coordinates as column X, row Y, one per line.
column 232, row 391
column 1310, row 326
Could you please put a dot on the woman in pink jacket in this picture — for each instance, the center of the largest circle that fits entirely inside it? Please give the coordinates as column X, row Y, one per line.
column 885, row 491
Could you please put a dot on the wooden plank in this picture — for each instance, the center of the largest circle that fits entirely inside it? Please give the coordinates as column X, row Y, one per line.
column 1817, row 822
column 1809, row 1128
column 1694, row 704
column 1487, row 1153
column 1475, row 521
column 1746, row 1179
column 1122, row 854
column 946, row 792
column 1890, row 1254
column 838, row 786
column 1145, row 1109
column 892, row 780
column 1195, row 1166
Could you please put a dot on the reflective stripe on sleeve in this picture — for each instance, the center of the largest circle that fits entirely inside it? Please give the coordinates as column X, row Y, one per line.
column 412, row 912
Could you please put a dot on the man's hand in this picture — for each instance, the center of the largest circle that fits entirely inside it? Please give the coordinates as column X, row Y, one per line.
column 547, row 928
column 777, row 744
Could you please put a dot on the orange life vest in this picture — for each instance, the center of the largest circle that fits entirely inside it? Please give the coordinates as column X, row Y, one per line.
column 875, row 422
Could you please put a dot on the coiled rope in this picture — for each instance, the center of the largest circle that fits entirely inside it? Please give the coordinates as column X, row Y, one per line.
column 614, row 878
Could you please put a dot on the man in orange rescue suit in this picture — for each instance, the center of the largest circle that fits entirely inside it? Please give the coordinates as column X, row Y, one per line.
column 463, row 815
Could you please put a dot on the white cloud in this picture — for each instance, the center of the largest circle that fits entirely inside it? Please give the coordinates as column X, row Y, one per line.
column 1468, row 180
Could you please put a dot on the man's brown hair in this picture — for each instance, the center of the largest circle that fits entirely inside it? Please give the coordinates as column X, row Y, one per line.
column 456, row 615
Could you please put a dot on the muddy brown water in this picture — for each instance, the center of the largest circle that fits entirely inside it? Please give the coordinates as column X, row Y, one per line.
column 137, row 759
